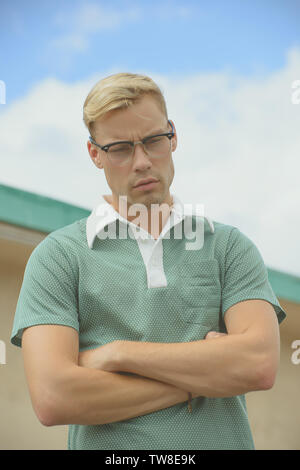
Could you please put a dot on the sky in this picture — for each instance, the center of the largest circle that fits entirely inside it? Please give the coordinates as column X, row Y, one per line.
column 230, row 74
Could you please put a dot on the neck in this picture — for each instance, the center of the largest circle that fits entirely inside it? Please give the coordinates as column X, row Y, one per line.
column 150, row 218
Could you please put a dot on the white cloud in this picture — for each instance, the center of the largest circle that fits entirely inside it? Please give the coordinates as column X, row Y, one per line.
column 238, row 151
column 86, row 20
column 70, row 42
column 89, row 18
column 167, row 10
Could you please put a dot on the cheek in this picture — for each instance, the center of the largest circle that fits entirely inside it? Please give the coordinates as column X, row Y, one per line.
column 166, row 171
column 170, row 171
column 116, row 179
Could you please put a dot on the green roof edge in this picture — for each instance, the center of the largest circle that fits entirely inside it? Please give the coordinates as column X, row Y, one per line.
column 33, row 211
column 285, row 285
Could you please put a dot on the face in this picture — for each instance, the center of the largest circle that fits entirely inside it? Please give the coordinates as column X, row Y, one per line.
column 135, row 123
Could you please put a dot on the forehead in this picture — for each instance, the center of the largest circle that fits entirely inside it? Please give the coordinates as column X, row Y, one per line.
column 141, row 118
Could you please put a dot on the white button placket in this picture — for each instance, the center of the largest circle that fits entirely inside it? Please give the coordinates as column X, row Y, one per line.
column 152, row 252
column 155, row 269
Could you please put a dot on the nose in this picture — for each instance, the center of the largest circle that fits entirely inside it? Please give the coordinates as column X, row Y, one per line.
column 141, row 161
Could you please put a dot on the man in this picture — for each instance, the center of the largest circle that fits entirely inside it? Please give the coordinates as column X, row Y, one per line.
column 117, row 313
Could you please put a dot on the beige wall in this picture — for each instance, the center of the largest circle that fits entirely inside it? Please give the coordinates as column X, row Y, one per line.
column 274, row 414
column 19, row 427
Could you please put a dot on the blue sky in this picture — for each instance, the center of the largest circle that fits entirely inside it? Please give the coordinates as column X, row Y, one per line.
column 71, row 40
column 226, row 69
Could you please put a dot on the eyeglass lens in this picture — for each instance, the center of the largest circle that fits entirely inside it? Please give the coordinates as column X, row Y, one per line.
column 154, row 147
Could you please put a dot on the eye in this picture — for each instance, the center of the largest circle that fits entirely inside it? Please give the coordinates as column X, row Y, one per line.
column 154, row 140
column 120, row 148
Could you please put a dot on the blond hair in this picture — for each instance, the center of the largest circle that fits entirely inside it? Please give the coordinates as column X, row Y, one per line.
column 118, row 91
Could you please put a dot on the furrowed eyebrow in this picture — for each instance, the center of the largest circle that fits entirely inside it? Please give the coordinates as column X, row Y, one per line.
column 155, row 132
column 158, row 131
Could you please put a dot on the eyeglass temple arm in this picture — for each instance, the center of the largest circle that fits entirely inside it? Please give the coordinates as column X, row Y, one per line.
column 95, row 143
column 171, row 125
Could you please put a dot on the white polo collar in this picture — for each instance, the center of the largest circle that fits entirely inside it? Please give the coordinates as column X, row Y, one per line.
column 104, row 214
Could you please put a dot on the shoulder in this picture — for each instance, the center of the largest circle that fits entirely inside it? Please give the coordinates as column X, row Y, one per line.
column 229, row 240
column 72, row 233
column 219, row 232
column 230, row 234
column 67, row 240
column 218, row 229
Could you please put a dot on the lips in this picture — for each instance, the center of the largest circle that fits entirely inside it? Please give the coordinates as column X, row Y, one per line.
column 146, row 181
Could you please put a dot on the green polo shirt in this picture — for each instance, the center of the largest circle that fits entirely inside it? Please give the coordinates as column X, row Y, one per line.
column 110, row 288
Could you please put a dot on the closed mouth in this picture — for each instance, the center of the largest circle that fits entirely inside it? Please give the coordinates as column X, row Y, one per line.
column 146, row 182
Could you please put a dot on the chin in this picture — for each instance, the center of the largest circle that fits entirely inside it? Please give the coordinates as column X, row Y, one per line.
column 153, row 199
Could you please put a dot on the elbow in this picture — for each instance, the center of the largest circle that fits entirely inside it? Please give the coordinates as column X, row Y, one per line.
column 46, row 419
column 44, row 416
column 267, row 382
column 52, row 398
column 49, row 407
column 267, row 375
column 47, row 414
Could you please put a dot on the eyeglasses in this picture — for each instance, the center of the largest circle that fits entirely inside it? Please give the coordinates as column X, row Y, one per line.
column 155, row 146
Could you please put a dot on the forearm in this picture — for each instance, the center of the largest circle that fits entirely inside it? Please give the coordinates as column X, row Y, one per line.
column 222, row 367
column 87, row 396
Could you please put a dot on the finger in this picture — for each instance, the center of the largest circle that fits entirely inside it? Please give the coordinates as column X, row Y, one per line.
column 211, row 334
column 214, row 334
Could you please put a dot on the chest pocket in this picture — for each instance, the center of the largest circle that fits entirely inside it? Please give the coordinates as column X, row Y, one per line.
column 200, row 291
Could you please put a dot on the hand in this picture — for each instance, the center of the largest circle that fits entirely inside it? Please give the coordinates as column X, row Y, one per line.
column 104, row 357
column 214, row 334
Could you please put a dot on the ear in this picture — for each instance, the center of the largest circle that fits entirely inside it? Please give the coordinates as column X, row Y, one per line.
column 174, row 139
column 95, row 155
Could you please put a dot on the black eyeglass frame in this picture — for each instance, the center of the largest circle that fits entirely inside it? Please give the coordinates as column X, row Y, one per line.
column 106, row 147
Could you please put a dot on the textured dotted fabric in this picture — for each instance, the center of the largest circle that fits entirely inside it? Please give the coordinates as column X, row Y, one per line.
column 103, row 294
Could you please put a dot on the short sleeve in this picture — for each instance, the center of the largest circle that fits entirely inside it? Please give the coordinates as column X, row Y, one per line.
column 246, row 276
column 48, row 293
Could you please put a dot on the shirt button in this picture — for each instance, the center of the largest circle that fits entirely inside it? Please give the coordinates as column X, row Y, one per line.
column 155, row 262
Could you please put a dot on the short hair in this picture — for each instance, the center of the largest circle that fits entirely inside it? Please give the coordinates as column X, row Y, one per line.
column 117, row 91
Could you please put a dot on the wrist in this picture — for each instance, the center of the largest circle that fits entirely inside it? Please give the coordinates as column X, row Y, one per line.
column 88, row 359
column 120, row 356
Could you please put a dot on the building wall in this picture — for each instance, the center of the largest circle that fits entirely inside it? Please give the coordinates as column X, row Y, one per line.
column 19, row 427
column 274, row 414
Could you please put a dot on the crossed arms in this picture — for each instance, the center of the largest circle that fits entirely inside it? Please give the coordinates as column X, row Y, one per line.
column 68, row 387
